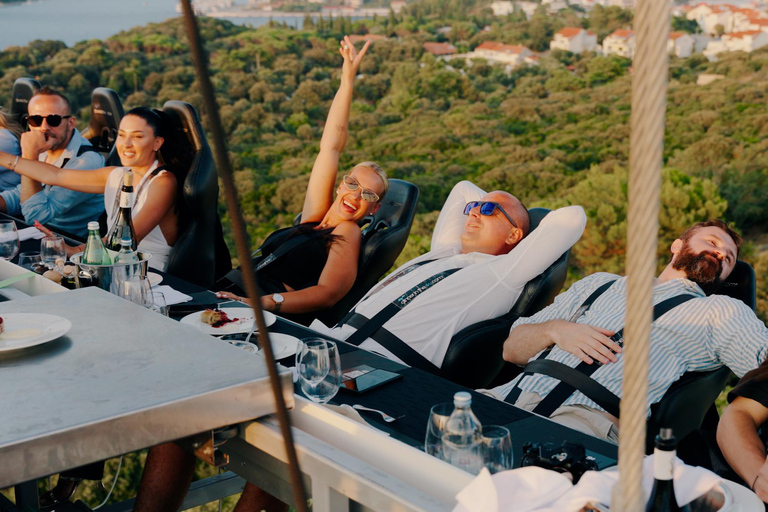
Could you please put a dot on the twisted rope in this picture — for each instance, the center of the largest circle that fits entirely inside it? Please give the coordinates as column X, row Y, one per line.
column 649, row 91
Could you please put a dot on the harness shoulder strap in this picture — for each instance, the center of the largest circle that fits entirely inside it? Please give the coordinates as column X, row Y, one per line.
column 564, row 390
column 515, row 393
column 80, row 152
column 288, row 246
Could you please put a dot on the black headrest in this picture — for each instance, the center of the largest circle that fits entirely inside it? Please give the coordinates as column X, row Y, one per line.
column 741, row 284
column 23, row 89
column 106, row 113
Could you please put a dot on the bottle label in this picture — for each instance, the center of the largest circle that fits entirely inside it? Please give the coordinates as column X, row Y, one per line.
column 663, row 464
column 126, row 200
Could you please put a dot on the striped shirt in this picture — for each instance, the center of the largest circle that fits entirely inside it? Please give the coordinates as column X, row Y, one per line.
column 700, row 335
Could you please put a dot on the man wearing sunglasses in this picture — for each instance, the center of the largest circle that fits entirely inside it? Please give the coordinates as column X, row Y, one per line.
column 53, row 138
column 479, row 262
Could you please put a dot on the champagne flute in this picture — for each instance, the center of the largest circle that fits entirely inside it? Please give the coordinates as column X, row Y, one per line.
column 9, row 239
column 319, row 369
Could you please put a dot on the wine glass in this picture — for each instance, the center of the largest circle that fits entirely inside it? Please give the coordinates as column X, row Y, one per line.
column 30, row 260
column 52, row 248
column 438, row 417
column 497, row 446
column 138, row 290
column 9, row 239
column 159, row 305
column 319, row 369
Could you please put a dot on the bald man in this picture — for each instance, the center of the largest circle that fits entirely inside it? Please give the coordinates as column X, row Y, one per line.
column 479, row 262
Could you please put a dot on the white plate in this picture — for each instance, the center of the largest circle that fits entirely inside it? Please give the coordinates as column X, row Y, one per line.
column 244, row 324
column 24, row 330
column 154, row 278
column 283, row 345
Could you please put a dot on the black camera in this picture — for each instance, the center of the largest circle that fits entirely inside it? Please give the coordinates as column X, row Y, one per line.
column 566, row 458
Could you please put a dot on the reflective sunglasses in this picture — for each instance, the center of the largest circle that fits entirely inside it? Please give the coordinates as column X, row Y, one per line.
column 54, row 120
column 352, row 184
column 487, row 208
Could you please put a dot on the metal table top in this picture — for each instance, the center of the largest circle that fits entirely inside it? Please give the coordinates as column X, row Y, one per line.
column 123, row 378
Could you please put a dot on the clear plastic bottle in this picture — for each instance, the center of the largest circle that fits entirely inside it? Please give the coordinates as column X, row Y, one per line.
column 463, row 436
column 126, row 254
column 95, row 253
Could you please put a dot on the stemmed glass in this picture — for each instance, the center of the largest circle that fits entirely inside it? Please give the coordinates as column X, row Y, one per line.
column 497, row 446
column 52, row 248
column 159, row 304
column 438, row 417
column 319, row 369
column 9, row 239
column 138, row 290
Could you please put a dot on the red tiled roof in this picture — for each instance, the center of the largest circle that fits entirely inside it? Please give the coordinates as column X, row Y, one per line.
column 760, row 22
column 569, row 32
column 623, row 33
column 502, row 48
column 440, row 48
column 676, row 35
column 741, row 35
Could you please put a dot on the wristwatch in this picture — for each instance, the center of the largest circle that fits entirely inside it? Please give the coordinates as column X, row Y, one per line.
column 278, row 299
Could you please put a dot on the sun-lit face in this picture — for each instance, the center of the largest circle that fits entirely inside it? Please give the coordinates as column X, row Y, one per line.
column 490, row 234
column 45, row 105
column 136, row 142
column 350, row 204
column 709, row 255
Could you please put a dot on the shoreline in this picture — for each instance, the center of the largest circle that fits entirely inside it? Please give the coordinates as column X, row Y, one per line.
column 356, row 13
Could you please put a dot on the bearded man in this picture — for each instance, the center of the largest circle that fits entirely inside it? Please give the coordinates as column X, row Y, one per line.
column 581, row 331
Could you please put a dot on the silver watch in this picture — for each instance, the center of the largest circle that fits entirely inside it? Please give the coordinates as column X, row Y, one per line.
column 278, row 301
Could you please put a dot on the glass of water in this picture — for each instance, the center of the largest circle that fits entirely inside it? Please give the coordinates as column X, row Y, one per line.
column 319, row 369
column 138, row 290
column 497, row 444
column 9, row 239
column 52, row 248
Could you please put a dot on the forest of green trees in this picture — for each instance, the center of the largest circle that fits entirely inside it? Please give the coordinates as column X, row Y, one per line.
column 553, row 135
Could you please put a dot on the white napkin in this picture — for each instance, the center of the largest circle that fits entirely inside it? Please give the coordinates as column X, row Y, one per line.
column 31, row 233
column 171, row 296
column 532, row 488
column 351, row 413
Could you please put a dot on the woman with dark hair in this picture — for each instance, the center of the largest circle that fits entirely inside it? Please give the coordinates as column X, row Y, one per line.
column 311, row 266
column 157, row 215
column 10, row 133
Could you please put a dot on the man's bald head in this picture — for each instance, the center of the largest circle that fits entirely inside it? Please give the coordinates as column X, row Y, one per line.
column 495, row 234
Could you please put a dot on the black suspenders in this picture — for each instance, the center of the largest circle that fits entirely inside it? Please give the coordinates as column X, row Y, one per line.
column 578, row 378
column 373, row 327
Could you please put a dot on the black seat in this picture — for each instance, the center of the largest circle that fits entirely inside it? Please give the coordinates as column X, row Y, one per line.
column 23, row 89
column 106, row 113
column 474, row 357
column 689, row 400
column 384, row 237
column 200, row 254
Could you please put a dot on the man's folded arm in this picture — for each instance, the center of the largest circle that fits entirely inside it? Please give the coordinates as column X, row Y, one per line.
column 743, row 449
column 451, row 220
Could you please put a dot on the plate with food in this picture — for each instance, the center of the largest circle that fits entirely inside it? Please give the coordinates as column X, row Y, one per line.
column 22, row 330
column 225, row 320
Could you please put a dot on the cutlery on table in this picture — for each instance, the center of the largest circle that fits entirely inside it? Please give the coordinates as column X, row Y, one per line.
column 386, row 417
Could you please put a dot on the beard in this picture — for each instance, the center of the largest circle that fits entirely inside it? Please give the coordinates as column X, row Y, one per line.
column 704, row 268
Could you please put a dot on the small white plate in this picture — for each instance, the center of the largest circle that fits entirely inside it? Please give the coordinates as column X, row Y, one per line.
column 243, row 324
column 24, row 330
column 154, row 278
column 283, row 345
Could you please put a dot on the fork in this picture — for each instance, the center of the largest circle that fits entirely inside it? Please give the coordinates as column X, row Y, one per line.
column 386, row 417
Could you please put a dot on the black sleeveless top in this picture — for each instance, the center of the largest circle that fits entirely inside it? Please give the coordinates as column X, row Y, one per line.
column 301, row 266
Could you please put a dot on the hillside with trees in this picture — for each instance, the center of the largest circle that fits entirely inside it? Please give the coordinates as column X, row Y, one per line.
column 553, row 135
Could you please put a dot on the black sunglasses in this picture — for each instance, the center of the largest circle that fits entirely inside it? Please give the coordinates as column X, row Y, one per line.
column 54, row 120
column 487, row 208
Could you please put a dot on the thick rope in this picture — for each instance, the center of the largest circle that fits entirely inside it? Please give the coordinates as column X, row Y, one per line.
column 241, row 241
column 649, row 90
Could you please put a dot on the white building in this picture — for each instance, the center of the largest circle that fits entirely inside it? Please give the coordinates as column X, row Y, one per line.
column 680, row 44
column 554, row 6
column 731, row 18
column 512, row 55
column 621, row 42
column 737, row 42
column 527, row 7
column 574, row 40
column 502, row 8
